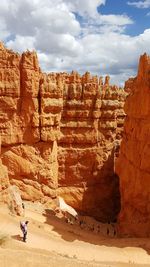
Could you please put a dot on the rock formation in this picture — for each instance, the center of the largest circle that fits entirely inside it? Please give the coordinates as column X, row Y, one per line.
column 59, row 135
column 133, row 165
column 91, row 125
column 11, row 196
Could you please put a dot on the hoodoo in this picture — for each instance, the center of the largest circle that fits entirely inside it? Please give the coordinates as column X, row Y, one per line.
column 133, row 165
column 60, row 134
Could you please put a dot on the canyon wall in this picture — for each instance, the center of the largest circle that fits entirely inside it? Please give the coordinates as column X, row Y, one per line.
column 91, row 126
column 133, row 164
column 59, row 135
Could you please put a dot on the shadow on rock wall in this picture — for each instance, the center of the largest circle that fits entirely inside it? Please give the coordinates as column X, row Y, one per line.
column 102, row 196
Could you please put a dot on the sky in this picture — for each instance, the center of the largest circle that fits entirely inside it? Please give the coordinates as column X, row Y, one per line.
column 105, row 37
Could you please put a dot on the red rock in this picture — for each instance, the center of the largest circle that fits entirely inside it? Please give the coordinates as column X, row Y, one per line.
column 4, row 180
column 14, row 201
column 133, row 165
column 60, row 134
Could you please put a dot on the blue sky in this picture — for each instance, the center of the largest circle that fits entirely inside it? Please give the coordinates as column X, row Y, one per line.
column 105, row 37
column 138, row 15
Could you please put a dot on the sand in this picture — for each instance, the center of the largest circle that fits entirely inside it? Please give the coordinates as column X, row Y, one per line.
column 53, row 242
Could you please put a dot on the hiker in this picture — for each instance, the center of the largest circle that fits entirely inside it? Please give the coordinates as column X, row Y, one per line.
column 91, row 228
column 107, row 231
column 81, row 223
column 23, row 226
column 98, row 229
column 115, row 232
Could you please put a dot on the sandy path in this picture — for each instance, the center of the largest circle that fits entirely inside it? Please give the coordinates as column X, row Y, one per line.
column 82, row 246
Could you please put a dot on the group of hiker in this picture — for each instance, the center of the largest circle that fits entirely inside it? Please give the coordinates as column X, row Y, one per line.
column 90, row 224
column 82, row 221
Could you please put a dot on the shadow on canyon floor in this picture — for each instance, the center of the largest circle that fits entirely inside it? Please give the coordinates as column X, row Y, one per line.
column 17, row 237
column 106, row 200
column 73, row 232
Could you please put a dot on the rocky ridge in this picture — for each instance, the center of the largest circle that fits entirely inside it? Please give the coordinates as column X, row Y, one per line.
column 133, row 164
column 59, row 135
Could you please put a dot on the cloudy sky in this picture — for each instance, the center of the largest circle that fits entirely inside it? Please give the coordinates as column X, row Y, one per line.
column 101, row 36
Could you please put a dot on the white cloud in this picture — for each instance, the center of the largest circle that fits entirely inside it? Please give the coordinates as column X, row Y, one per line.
column 106, row 23
column 140, row 4
column 119, row 59
column 71, row 34
column 55, row 20
column 85, row 7
column 3, row 29
column 114, row 53
column 119, row 20
column 22, row 43
column 57, row 44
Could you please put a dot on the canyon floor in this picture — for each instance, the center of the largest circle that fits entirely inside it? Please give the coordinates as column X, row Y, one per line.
column 53, row 242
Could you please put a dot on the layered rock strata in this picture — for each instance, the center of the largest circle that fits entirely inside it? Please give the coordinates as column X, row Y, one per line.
column 91, row 125
column 133, row 165
column 60, row 134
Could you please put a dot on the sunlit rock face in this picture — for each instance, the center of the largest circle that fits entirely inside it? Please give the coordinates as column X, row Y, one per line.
column 90, row 127
column 60, row 134
column 28, row 150
column 133, row 165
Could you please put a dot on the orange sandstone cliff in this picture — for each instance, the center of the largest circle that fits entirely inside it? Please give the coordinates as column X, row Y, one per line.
column 59, row 135
column 133, row 165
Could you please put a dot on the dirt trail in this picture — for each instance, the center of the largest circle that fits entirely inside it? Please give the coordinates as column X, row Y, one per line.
column 70, row 242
